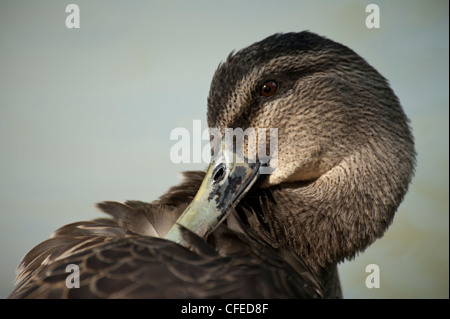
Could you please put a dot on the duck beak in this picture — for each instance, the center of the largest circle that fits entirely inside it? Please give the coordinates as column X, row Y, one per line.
column 228, row 178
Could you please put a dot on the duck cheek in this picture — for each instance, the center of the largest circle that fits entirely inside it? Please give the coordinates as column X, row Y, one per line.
column 289, row 175
column 279, row 175
column 275, row 178
column 297, row 167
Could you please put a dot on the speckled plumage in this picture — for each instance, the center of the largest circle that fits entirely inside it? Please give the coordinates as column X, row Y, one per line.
column 345, row 160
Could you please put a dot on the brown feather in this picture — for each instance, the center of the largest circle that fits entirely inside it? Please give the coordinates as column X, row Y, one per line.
column 346, row 157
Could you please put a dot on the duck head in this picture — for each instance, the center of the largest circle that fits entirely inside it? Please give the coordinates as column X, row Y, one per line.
column 345, row 153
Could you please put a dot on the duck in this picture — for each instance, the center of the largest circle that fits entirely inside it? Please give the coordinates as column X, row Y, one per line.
column 343, row 162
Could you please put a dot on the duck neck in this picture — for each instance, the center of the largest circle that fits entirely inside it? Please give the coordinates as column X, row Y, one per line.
column 333, row 217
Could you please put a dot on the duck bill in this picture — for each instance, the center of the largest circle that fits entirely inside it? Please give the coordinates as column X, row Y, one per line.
column 229, row 177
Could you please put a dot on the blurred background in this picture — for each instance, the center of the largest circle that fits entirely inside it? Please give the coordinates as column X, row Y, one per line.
column 86, row 114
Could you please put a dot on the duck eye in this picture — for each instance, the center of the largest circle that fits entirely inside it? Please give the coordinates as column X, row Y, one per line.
column 269, row 88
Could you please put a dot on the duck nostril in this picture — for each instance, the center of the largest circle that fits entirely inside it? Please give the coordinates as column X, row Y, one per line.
column 219, row 173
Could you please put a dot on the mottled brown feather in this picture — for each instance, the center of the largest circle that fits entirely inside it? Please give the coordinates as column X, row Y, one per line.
column 345, row 159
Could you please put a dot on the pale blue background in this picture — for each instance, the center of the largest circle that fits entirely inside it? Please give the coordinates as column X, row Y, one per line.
column 85, row 115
